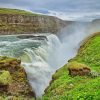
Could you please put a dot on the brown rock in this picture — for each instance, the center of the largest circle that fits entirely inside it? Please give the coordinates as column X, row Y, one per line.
column 75, row 69
column 18, row 86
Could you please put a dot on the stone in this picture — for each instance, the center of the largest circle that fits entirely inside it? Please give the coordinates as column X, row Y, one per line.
column 76, row 68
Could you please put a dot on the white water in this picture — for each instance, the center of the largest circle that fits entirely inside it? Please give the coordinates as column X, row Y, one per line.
column 41, row 62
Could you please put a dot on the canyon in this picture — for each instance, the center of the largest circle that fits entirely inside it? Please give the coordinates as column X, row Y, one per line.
column 26, row 23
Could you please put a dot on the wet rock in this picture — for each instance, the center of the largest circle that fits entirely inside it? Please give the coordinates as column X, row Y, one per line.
column 41, row 37
column 76, row 68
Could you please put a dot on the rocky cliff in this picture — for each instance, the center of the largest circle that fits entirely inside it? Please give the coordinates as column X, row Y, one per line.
column 15, row 21
column 13, row 81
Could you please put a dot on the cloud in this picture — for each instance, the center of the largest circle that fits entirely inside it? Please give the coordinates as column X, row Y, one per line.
column 85, row 16
column 63, row 8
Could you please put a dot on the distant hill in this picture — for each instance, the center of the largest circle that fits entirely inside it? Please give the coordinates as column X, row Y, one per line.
column 14, row 21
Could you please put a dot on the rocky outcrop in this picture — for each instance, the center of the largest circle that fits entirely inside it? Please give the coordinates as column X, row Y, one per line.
column 32, row 36
column 28, row 23
column 13, row 81
column 76, row 68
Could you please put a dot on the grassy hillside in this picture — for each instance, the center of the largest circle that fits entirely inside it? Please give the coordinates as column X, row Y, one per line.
column 65, row 87
column 16, row 11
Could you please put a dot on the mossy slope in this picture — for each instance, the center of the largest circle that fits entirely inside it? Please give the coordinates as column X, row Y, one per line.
column 65, row 87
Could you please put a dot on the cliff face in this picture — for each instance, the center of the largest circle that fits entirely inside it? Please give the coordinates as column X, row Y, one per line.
column 13, row 81
column 17, row 23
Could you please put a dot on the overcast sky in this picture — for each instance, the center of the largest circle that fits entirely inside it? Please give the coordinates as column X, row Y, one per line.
column 64, row 9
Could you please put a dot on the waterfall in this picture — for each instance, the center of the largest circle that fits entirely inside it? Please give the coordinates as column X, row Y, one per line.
column 41, row 58
column 39, row 69
column 46, row 59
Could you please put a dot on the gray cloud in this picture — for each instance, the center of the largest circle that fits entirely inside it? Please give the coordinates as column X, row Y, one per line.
column 65, row 6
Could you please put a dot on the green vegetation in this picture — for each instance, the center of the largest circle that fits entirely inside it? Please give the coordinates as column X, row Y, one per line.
column 5, row 77
column 65, row 87
column 16, row 11
column 75, row 65
column 5, row 59
column 89, row 53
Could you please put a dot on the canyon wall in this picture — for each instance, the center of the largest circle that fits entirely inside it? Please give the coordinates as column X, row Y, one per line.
column 21, row 24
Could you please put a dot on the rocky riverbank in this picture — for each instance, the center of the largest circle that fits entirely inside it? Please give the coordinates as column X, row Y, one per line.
column 13, row 81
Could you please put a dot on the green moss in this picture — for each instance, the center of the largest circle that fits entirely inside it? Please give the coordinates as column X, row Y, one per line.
column 64, row 87
column 16, row 11
column 4, row 59
column 76, row 65
column 5, row 78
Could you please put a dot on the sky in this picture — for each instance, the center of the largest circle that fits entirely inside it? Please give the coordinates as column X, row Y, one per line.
column 64, row 9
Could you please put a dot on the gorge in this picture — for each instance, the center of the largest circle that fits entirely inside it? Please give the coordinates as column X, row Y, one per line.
column 22, row 22
column 42, row 43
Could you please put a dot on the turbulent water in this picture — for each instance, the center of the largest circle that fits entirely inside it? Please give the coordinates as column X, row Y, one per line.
column 43, row 54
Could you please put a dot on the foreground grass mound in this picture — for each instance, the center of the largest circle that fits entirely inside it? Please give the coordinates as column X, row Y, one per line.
column 66, row 87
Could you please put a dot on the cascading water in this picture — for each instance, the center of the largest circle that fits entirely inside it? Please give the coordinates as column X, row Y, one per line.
column 42, row 57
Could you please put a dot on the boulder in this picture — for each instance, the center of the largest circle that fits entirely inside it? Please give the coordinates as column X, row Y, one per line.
column 76, row 68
